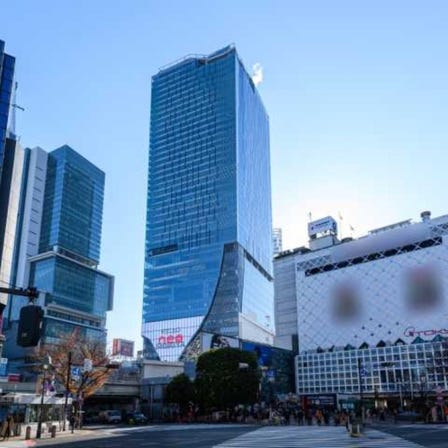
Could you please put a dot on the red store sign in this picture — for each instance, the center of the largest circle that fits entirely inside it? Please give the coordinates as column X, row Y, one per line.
column 171, row 340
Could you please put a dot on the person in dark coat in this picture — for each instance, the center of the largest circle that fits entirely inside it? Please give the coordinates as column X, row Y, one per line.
column 7, row 427
column 72, row 422
column 4, row 428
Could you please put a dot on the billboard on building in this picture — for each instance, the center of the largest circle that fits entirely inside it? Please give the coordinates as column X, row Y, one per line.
column 170, row 337
column 375, row 299
column 123, row 347
column 210, row 341
column 327, row 224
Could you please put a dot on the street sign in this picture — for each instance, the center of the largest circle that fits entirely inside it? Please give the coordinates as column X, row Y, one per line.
column 76, row 372
column 3, row 366
column 88, row 365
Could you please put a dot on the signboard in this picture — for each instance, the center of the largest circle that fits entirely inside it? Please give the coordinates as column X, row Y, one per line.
column 170, row 337
column 320, row 400
column 399, row 297
column 76, row 372
column 210, row 341
column 262, row 352
column 3, row 366
column 327, row 224
column 123, row 347
column 88, row 365
column 14, row 377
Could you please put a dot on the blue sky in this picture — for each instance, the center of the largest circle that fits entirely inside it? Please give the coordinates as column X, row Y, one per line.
column 357, row 94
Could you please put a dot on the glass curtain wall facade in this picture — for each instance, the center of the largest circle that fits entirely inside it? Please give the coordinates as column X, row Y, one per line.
column 10, row 200
column 76, row 294
column 208, row 208
column 71, row 286
column 7, row 64
column 73, row 205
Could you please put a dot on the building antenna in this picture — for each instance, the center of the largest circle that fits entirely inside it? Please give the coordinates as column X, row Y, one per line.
column 340, row 224
column 14, row 106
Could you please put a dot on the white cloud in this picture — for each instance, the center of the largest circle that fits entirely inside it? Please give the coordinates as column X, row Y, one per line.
column 257, row 73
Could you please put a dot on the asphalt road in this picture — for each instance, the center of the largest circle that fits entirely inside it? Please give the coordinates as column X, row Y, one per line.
column 166, row 437
column 433, row 436
column 247, row 436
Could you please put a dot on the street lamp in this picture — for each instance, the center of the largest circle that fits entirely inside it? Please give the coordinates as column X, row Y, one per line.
column 423, row 386
column 45, row 366
column 67, row 387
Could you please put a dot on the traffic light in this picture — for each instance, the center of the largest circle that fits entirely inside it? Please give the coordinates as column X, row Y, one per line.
column 28, row 333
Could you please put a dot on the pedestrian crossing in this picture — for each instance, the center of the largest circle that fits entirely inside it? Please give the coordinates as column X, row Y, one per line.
column 172, row 427
column 314, row 437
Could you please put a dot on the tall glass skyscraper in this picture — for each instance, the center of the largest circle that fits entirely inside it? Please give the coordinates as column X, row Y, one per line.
column 7, row 64
column 208, row 260
column 10, row 155
column 59, row 247
column 77, row 294
column 73, row 209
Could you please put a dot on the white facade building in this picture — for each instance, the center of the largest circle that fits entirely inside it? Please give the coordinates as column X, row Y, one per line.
column 378, row 304
column 32, row 213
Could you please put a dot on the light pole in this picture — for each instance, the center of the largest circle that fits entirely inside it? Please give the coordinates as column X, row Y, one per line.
column 67, row 388
column 399, row 383
column 45, row 366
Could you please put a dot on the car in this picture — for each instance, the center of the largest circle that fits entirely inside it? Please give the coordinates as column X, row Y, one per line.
column 111, row 416
column 136, row 418
column 90, row 417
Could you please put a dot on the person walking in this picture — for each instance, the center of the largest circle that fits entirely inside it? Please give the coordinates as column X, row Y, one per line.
column 3, row 428
column 7, row 427
column 319, row 417
column 72, row 422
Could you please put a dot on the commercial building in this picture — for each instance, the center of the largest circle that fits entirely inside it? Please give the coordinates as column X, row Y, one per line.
column 371, row 312
column 10, row 194
column 58, row 247
column 277, row 241
column 7, row 64
column 9, row 171
column 208, row 259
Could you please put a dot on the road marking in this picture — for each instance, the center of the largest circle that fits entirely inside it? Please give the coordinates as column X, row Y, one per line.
column 177, row 427
column 18, row 444
column 312, row 437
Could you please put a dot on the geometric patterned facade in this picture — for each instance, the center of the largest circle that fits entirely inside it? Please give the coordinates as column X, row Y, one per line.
column 409, row 370
column 381, row 301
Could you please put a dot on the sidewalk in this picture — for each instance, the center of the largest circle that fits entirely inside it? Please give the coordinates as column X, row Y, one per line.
column 21, row 442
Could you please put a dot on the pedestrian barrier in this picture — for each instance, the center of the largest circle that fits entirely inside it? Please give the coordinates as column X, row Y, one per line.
column 354, row 428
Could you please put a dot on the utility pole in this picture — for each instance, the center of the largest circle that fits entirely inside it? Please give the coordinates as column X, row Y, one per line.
column 67, row 387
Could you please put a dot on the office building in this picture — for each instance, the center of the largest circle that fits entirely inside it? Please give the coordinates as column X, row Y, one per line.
column 7, row 64
column 208, row 259
column 372, row 312
column 285, row 300
column 10, row 193
column 10, row 166
column 58, row 248
column 277, row 242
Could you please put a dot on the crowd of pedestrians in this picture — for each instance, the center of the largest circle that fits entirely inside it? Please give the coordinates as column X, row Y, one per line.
column 293, row 413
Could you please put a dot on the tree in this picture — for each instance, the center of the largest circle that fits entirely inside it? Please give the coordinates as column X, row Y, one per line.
column 81, row 348
column 226, row 377
column 180, row 391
